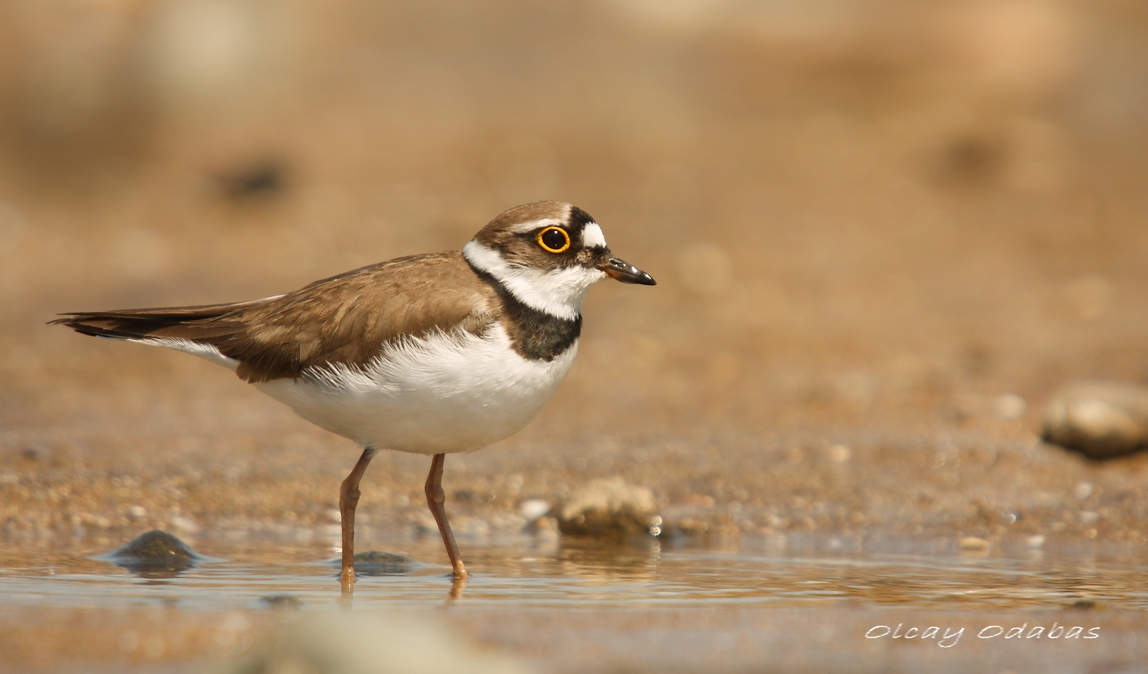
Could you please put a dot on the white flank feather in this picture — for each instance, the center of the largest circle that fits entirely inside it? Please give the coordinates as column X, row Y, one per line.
column 454, row 392
column 206, row 351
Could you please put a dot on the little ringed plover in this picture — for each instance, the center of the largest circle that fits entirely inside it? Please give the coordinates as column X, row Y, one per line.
column 430, row 354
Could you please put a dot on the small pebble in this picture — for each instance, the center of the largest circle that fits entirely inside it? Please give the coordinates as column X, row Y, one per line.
column 973, row 544
column 184, row 524
column 1098, row 419
column 533, row 508
column 840, row 454
column 1010, row 406
column 34, row 452
column 250, row 181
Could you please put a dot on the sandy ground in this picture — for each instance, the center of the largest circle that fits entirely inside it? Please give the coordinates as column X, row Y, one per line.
column 881, row 238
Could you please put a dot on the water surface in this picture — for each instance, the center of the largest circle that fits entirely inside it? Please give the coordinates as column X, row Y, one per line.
column 546, row 572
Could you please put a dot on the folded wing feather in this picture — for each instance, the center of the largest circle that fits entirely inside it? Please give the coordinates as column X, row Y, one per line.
column 344, row 319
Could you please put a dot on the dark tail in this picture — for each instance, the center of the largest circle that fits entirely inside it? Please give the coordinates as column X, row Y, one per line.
column 198, row 324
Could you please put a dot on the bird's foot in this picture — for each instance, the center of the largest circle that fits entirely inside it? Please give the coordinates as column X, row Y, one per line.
column 347, row 579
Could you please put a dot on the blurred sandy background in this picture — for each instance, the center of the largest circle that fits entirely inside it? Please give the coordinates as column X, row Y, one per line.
column 883, row 224
column 883, row 232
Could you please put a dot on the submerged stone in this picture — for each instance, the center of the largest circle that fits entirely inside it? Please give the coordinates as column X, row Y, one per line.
column 376, row 563
column 281, row 601
column 156, row 554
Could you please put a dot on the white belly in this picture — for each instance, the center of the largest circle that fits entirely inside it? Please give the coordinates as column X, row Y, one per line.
column 444, row 393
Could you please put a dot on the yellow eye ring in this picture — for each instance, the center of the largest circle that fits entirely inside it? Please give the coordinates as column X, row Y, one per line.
column 553, row 243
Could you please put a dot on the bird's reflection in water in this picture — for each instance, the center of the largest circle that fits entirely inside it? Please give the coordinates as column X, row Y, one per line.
column 376, row 563
column 457, row 585
column 597, row 560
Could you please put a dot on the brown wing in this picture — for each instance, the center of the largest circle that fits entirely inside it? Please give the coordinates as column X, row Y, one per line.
column 343, row 319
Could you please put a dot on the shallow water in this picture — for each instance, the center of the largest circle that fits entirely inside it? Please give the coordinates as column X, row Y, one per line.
column 546, row 572
column 649, row 605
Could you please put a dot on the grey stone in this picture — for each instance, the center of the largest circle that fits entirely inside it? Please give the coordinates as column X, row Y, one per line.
column 156, row 554
column 376, row 563
column 35, row 451
column 281, row 601
column 1098, row 419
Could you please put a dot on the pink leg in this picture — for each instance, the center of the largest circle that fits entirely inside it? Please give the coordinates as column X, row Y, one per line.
column 436, row 499
column 348, row 500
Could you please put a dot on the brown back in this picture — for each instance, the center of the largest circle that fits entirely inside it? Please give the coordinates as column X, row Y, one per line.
column 343, row 319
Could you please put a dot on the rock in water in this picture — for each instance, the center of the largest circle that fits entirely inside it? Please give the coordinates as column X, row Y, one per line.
column 156, row 554
column 608, row 507
column 1098, row 419
column 375, row 563
column 281, row 601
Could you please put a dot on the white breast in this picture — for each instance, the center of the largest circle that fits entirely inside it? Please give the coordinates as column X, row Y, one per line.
column 444, row 393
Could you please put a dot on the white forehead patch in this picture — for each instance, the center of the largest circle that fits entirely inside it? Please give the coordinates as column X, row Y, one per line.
column 592, row 236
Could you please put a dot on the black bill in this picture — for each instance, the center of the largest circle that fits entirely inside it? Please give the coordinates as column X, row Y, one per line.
column 623, row 271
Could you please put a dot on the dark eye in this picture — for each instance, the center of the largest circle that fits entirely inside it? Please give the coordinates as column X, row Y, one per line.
column 554, row 240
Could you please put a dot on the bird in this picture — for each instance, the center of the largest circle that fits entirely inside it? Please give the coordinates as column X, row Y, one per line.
column 431, row 354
